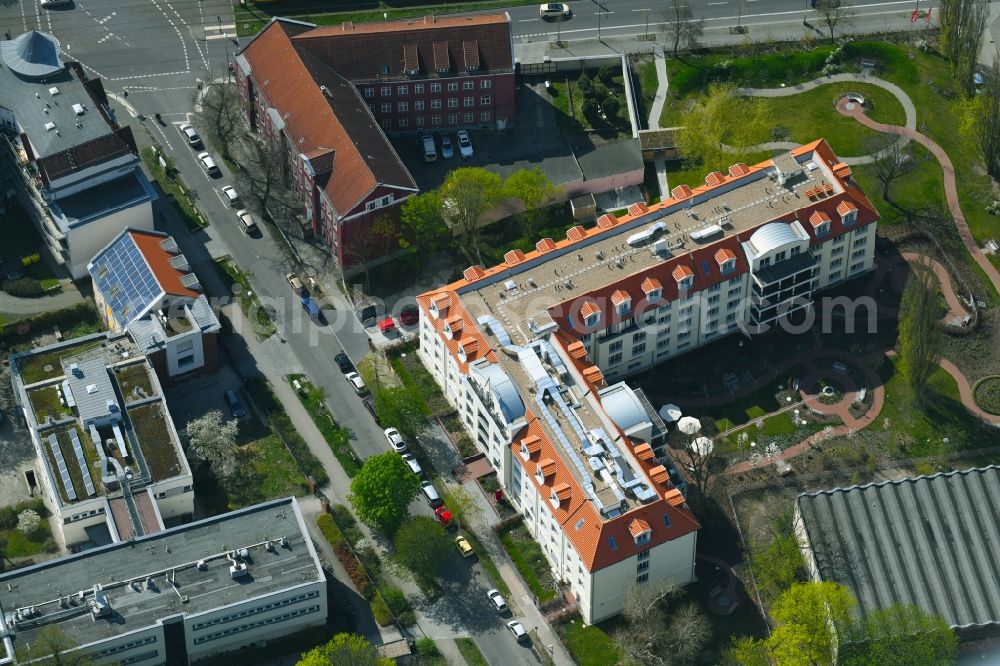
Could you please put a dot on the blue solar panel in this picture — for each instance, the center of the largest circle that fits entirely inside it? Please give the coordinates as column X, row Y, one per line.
column 88, row 483
column 123, row 276
column 61, row 466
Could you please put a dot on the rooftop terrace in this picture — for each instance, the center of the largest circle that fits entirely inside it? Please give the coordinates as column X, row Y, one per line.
column 162, row 574
column 519, row 296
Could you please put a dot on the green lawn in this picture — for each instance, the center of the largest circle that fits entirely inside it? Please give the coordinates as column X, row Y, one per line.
column 279, row 475
column 231, row 273
column 47, row 366
column 589, row 645
column 471, row 653
column 151, row 428
column 45, row 403
column 810, row 115
column 132, row 377
column 337, row 437
column 174, row 190
column 920, row 431
column 530, row 561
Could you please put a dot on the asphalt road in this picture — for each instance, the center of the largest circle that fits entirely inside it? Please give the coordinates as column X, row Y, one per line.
column 593, row 18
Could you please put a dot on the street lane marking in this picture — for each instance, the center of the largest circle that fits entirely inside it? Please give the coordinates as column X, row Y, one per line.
column 225, row 35
column 647, row 9
column 528, row 20
column 712, row 4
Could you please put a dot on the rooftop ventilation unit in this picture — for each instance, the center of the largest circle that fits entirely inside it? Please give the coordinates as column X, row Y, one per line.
column 100, row 606
column 91, row 388
column 510, row 285
column 238, row 570
column 202, row 565
column 53, row 91
column 78, row 109
column 707, row 232
column 50, row 126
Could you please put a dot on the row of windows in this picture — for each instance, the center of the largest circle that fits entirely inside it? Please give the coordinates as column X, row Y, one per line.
column 125, row 646
column 418, row 88
column 81, row 516
column 404, row 107
column 253, row 625
column 145, row 656
column 253, row 611
column 468, row 118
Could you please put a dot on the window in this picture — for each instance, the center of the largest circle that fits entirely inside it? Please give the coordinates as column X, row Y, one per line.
column 369, row 91
column 485, row 100
column 823, row 229
column 642, row 578
column 663, row 319
column 418, row 105
column 638, row 349
column 468, row 117
column 485, row 83
column 839, row 239
column 615, row 346
column 714, row 288
column 835, row 275
column 403, row 107
column 660, row 344
column 386, row 107
column 403, row 90
column 452, row 118
column 857, row 267
column 850, row 218
column 734, row 281
column 796, row 250
column 836, row 262
column 452, row 86
column 436, row 120
column 634, row 365
column 713, row 311
column 732, row 304
column 705, row 268
column 666, row 520
column 728, row 266
column 371, row 107
column 614, row 359
column 420, row 121
column 403, row 122
column 435, row 104
column 485, row 117
column 452, row 102
column 684, row 335
column 642, row 566
column 861, row 241
column 418, row 89
column 386, row 91
column 713, row 299
column 836, row 252
column 730, row 318
column 435, row 87
column 468, row 85
column 386, row 124
column 780, row 256
column 857, row 254
column 612, row 543
column 638, row 335
column 469, row 101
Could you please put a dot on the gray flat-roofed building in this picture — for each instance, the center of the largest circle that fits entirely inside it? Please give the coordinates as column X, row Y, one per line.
column 932, row 541
column 93, row 392
column 191, row 591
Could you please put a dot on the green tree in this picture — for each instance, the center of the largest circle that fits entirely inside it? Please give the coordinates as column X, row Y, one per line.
column 748, row 651
column 919, row 337
column 962, row 24
column 533, row 190
column 583, row 83
column 422, row 224
column 402, row 409
column 808, row 614
column 980, row 125
column 777, row 565
column 467, row 194
column 901, row 635
column 588, row 107
column 382, row 490
column 610, row 106
column 344, row 650
column 212, row 442
column 711, row 136
column 51, row 647
column 423, row 545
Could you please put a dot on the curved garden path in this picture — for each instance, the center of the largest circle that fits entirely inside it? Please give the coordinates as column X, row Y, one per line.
column 908, row 108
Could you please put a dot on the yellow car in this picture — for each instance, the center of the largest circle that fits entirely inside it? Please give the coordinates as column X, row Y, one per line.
column 464, row 547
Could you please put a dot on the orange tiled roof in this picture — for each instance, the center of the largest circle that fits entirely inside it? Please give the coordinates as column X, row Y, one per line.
column 638, row 526
column 715, row 178
column 644, row 452
column 562, row 491
column 606, row 221
column 681, row 192
column 576, row 349
column 845, row 207
column 547, row 467
column 841, row 170
column 545, row 245
column 576, row 233
column 637, row 209
column 739, row 169
column 532, row 443
column 473, row 273
column 513, row 257
column 158, row 260
column 682, row 271
column 651, row 284
column 818, row 217
column 674, row 497
column 588, row 309
column 455, row 324
column 659, row 474
column 619, row 297
column 470, row 345
column 593, row 375
column 724, row 255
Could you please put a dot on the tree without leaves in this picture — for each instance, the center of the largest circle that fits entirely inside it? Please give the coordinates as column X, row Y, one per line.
column 900, row 635
column 535, row 192
column 382, row 490
column 467, row 194
column 919, row 338
column 361, row 248
column 832, row 12
column 890, row 159
column 219, row 115
column 423, row 545
column 344, row 650
column 702, row 469
column 262, row 176
column 51, row 647
column 683, row 29
column 962, row 23
column 656, row 634
column 212, row 442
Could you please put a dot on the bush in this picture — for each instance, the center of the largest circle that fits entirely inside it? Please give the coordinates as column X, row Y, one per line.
column 329, row 529
column 583, row 83
column 29, row 522
column 24, row 287
column 381, row 611
column 426, row 647
column 8, row 518
column 610, row 105
column 606, row 74
column 399, row 605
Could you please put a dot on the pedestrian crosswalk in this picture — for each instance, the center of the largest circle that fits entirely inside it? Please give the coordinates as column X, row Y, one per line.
column 220, row 31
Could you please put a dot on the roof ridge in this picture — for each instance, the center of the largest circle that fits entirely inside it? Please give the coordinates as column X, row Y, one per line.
column 896, row 482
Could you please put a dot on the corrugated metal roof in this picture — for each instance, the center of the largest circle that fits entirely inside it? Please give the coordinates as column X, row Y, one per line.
column 933, row 541
column 92, row 390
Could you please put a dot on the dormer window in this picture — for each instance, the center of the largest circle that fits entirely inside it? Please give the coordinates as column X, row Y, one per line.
column 848, row 213
column 560, row 493
column 640, row 531
column 684, row 277
column 820, row 222
column 622, row 302
column 652, row 289
column 530, row 446
column 545, row 469
column 591, row 314
column 726, row 259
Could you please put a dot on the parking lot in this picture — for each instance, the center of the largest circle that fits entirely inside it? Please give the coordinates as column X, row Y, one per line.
column 200, row 395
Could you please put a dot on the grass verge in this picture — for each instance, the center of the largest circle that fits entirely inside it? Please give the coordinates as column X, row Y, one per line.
column 252, row 309
column 471, row 653
column 530, row 561
column 174, row 190
column 589, row 645
column 337, row 437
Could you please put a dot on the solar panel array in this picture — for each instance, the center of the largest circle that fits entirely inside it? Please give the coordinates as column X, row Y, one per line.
column 125, row 279
column 88, row 483
column 63, row 471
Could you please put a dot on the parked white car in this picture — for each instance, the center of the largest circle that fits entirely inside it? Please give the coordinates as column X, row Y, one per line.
column 356, row 381
column 208, row 164
column 464, row 144
column 497, row 600
column 191, row 135
column 517, row 629
column 231, row 196
column 412, row 462
column 395, row 440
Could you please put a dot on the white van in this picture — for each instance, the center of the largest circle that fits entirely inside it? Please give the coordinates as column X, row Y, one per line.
column 431, row 493
column 246, row 222
column 430, row 150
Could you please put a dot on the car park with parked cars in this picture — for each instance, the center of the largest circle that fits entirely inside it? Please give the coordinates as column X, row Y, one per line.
column 344, row 362
column 246, row 221
column 295, row 283
column 235, row 406
column 431, row 493
column 231, row 196
column 447, row 150
column 464, row 547
column 517, row 629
